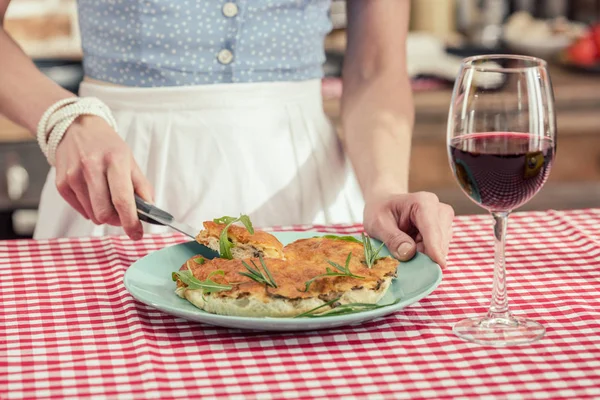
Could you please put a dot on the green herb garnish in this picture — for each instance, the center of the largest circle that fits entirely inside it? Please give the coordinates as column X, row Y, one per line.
column 342, row 309
column 343, row 271
column 346, row 238
column 257, row 275
column 193, row 283
column 199, row 260
column 312, row 311
column 217, row 272
column 371, row 255
column 225, row 245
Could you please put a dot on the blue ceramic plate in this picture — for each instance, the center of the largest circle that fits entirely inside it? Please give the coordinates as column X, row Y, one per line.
column 149, row 281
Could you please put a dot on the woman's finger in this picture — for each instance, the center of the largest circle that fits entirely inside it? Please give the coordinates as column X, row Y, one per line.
column 141, row 185
column 424, row 215
column 446, row 218
column 70, row 197
column 385, row 228
column 65, row 190
column 93, row 171
column 78, row 185
column 121, row 192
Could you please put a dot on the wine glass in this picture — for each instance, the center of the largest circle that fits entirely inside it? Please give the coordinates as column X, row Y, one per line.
column 501, row 142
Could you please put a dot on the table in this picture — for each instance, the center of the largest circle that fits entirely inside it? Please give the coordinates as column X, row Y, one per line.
column 69, row 329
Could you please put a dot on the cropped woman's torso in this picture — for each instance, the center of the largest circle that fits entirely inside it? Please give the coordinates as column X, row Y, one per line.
column 149, row 43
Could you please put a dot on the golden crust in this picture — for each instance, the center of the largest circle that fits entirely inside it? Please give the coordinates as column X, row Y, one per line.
column 306, row 259
column 244, row 286
column 318, row 250
column 259, row 242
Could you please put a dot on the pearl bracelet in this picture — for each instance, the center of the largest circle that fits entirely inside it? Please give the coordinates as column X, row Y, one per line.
column 59, row 117
column 42, row 132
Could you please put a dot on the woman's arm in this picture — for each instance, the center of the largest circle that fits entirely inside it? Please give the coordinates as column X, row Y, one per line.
column 95, row 170
column 377, row 106
column 25, row 93
column 377, row 120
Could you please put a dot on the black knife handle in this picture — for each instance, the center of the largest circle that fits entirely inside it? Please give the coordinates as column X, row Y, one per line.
column 149, row 209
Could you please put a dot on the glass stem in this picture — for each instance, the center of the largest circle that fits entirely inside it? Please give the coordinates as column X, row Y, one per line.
column 499, row 304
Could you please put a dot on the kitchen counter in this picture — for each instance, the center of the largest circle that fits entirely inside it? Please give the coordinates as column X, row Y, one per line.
column 575, row 178
column 10, row 132
column 577, row 98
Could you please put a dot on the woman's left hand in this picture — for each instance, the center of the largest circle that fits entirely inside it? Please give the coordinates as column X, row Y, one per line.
column 411, row 222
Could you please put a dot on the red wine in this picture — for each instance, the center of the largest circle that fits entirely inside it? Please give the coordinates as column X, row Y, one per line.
column 501, row 171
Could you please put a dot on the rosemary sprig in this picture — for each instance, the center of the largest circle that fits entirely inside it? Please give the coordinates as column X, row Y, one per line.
column 371, row 255
column 193, row 283
column 343, row 271
column 313, row 310
column 225, row 245
column 345, row 238
column 257, row 275
column 342, row 309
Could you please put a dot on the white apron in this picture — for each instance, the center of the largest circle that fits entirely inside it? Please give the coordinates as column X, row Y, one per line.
column 263, row 149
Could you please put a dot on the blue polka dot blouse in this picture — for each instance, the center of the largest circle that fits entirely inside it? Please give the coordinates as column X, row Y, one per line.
column 150, row 43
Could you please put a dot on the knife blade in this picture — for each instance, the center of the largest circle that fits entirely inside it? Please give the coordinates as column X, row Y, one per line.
column 154, row 215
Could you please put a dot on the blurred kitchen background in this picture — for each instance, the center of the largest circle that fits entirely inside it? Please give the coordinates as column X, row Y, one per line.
column 442, row 32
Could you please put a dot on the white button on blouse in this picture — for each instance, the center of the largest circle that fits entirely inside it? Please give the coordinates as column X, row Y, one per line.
column 225, row 57
column 230, row 10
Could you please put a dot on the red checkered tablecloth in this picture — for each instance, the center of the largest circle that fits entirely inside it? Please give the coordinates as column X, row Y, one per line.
column 69, row 329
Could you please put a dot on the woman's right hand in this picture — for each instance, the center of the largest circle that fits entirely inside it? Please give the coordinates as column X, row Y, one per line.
column 98, row 176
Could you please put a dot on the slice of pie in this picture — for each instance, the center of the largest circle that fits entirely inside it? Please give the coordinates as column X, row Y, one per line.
column 304, row 280
column 245, row 244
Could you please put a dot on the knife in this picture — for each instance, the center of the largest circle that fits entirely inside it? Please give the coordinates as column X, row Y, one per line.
column 154, row 215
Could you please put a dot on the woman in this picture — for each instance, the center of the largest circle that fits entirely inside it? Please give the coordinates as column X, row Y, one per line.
column 218, row 111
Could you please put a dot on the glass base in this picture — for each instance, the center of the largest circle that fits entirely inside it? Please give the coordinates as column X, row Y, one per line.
column 502, row 331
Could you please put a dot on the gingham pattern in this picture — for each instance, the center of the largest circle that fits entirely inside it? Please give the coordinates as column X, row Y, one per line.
column 70, row 329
